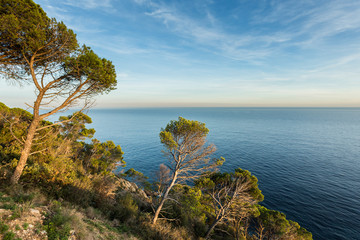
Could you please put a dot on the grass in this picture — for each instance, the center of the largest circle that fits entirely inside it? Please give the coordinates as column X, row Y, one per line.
column 25, row 226
column 5, row 199
column 18, row 202
column 95, row 224
column 7, row 234
column 57, row 223
column 9, row 206
column 3, row 228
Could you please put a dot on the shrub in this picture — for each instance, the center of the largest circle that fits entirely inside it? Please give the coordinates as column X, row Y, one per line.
column 25, row 226
column 125, row 208
column 57, row 223
column 9, row 236
column 3, row 228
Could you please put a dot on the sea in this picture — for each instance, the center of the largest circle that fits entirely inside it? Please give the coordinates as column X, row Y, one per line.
column 307, row 160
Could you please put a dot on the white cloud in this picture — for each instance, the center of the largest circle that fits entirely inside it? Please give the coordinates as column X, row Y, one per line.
column 122, row 75
column 90, row 4
column 214, row 39
column 309, row 23
column 340, row 62
column 300, row 24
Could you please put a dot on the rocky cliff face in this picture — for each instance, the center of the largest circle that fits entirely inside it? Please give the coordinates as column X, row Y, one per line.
column 132, row 188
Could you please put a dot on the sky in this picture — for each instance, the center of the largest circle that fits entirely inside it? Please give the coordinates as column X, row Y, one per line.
column 224, row 53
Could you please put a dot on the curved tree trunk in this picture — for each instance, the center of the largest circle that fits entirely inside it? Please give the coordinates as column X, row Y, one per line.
column 25, row 152
column 211, row 228
column 157, row 212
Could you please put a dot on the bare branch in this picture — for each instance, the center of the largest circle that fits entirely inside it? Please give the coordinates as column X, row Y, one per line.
column 40, row 151
column 10, row 128
column 61, row 122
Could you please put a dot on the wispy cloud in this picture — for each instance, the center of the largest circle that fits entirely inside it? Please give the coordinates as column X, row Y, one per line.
column 234, row 46
column 309, row 23
column 299, row 24
column 263, row 52
column 120, row 46
column 61, row 11
column 90, row 4
column 340, row 62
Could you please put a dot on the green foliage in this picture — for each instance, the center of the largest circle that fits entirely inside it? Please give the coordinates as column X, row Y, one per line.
column 13, row 122
column 254, row 190
column 181, row 130
column 275, row 225
column 132, row 173
column 137, row 177
column 26, row 31
column 38, row 49
column 21, row 197
column 217, row 181
column 57, row 224
column 7, row 235
column 3, row 227
column 185, row 141
column 101, row 157
column 65, row 156
column 229, row 197
column 126, row 208
column 17, row 212
column 74, row 126
column 10, row 236
column 191, row 203
column 219, row 161
column 100, row 72
column 95, row 224
column 9, row 206
column 188, row 209
column 122, row 228
column 79, row 168
column 25, row 226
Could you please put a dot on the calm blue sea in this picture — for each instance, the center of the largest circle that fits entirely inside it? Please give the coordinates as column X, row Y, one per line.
column 307, row 160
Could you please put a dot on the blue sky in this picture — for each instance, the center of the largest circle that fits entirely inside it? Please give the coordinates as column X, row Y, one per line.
column 218, row 53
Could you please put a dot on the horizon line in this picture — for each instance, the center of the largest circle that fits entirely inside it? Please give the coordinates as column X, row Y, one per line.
column 149, row 107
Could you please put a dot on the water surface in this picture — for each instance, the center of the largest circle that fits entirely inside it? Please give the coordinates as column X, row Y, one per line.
column 307, row 160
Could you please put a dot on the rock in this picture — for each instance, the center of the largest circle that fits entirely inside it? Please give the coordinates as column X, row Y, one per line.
column 132, row 188
column 4, row 211
column 35, row 211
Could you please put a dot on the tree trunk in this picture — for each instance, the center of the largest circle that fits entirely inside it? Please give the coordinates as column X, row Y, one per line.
column 157, row 212
column 25, row 152
column 211, row 228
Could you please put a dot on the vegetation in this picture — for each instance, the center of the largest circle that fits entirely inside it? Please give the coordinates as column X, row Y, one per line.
column 72, row 182
column 229, row 195
column 184, row 141
column 66, row 160
column 42, row 51
column 75, row 167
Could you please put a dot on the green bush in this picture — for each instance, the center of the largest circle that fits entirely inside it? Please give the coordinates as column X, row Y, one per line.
column 9, row 236
column 9, row 206
column 25, row 226
column 23, row 197
column 126, row 208
column 3, row 228
column 57, row 224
